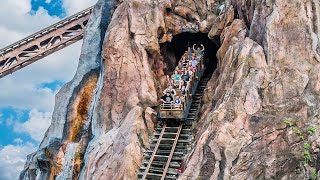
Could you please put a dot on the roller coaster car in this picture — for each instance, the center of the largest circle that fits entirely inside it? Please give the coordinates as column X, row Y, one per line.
column 174, row 112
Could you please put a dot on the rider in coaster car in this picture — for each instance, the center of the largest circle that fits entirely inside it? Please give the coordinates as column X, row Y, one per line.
column 198, row 50
column 177, row 102
column 178, row 69
column 191, row 67
column 185, row 76
column 190, row 51
column 176, row 76
column 194, row 62
column 190, row 72
column 183, row 90
column 167, row 98
column 171, row 90
column 183, row 83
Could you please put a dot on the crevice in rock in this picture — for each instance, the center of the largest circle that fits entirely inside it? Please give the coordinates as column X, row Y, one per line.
column 208, row 167
column 168, row 10
column 222, row 164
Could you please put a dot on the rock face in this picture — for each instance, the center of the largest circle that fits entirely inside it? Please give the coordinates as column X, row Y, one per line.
column 262, row 100
column 260, row 114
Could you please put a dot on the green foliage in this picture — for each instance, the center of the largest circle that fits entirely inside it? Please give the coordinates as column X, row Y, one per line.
column 312, row 130
column 306, row 153
column 288, row 122
column 313, row 174
column 298, row 132
column 306, row 146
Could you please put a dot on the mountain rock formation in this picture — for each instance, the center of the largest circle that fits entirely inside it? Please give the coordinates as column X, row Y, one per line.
column 260, row 113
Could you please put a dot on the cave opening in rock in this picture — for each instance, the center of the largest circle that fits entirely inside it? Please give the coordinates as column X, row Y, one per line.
column 172, row 51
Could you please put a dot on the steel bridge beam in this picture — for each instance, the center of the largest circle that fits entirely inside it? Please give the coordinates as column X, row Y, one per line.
column 43, row 43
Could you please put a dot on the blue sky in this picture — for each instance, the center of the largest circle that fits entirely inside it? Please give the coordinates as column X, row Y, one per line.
column 10, row 115
column 54, row 8
column 27, row 96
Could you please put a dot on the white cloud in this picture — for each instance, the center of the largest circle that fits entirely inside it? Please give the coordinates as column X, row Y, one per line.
column 48, row 1
column 22, row 87
column 18, row 23
column 18, row 140
column 74, row 6
column 12, row 159
column 36, row 126
column 15, row 7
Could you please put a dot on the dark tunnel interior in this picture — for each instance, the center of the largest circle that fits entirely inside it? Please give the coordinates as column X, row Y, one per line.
column 173, row 51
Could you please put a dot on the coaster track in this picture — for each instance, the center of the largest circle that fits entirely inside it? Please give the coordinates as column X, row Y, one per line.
column 169, row 143
column 43, row 43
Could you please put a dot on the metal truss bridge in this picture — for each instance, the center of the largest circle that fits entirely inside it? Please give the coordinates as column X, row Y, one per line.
column 43, row 43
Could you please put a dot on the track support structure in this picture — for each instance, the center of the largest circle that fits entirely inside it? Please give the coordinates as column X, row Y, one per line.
column 43, row 43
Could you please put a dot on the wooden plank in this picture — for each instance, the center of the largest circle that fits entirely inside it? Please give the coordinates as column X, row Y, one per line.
column 154, row 152
column 171, row 153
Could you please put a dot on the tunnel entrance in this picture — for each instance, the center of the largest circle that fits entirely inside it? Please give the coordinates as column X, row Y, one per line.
column 173, row 51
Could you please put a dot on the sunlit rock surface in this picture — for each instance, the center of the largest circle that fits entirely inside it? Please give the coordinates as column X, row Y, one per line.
column 260, row 109
column 265, row 82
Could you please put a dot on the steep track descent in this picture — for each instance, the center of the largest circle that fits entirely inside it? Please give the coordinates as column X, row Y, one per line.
column 169, row 143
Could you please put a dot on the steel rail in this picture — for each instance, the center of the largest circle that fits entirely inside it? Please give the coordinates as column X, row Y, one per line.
column 171, row 153
column 43, row 43
column 46, row 30
column 154, row 152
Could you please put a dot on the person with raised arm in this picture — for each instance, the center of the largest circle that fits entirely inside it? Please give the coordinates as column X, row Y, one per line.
column 198, row 50
column 190, row 52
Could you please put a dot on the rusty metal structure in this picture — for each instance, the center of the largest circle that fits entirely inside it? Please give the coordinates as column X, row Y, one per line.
column 43, row 43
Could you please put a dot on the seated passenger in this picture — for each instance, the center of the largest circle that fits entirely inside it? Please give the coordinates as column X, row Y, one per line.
column 196, row 57
column 183, row 83
column 177, row 102
column 178, row 70
column 167, row 98
column 176, row 76
column 170, row 81
column 191, row 67
column 194, row 62
column 183, row 90
column 183, row 59
column 185, row 76
column 171, row 90
column 190, row 72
